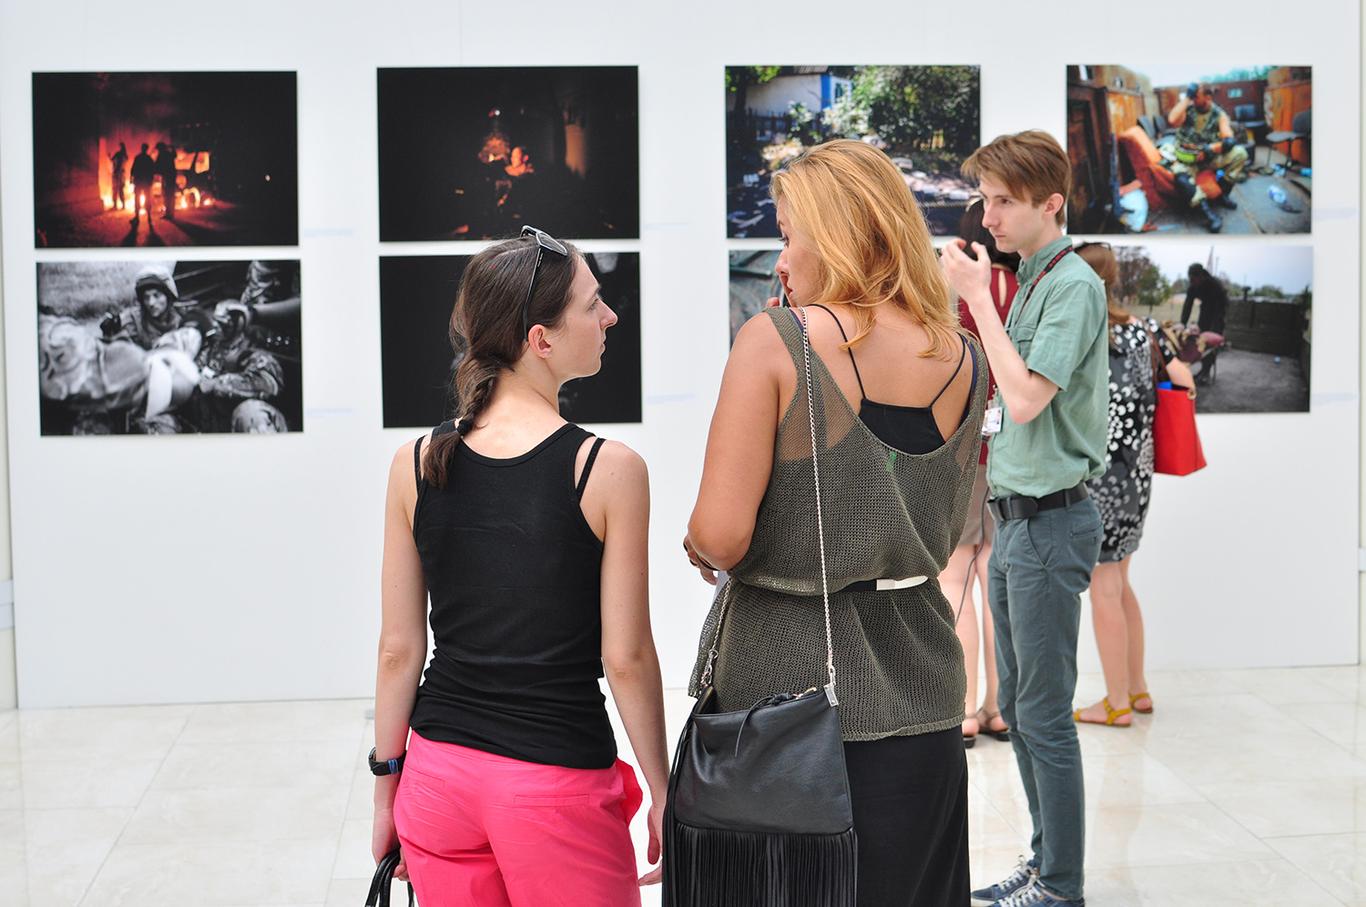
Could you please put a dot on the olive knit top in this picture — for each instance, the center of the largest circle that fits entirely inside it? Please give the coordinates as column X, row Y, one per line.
column 889, row 515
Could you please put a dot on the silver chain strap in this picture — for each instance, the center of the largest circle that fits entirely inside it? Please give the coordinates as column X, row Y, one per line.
column 704, row 680
column 820, row 521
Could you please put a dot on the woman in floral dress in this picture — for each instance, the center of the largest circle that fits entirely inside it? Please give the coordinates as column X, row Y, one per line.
column 1137, row 349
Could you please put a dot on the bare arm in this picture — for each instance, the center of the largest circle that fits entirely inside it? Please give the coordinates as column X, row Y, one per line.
column 739, row 458
column 1180, row 374
column 402, row 641
column 1026, row 393
column 1225, row 130
column 1178, row 115
column 629, row 660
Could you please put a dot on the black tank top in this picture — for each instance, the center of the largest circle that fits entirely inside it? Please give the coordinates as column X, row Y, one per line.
column 514, row 572
column 911, row 429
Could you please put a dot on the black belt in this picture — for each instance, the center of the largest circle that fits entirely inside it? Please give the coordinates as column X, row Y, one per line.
column 1019, row 507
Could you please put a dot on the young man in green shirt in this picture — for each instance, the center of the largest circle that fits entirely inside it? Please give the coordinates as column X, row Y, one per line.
column 1050, row 362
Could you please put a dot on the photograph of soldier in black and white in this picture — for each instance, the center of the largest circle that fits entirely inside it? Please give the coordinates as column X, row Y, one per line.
column 926, row 118
column 475, row 153
column 157, row 348
column 1179, row 148
column 1240, row 316
column 417, row 294
column 165, row 159
column 753, row 282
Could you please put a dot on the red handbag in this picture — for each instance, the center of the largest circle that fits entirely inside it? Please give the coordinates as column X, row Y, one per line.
column 1176, row 441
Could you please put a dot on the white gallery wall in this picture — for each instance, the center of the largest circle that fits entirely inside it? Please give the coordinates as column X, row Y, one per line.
column 199, row 568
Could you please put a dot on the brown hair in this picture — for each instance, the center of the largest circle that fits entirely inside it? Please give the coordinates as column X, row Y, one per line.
column 870, row 237
column 1030, row 164
column 1102, row 260
column 487, row 324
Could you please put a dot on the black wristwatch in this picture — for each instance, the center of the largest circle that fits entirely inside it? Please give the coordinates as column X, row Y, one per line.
column 389, row 767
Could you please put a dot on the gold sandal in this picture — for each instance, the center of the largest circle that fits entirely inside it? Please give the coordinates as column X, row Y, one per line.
column 1135, row 697
column 1112, row 715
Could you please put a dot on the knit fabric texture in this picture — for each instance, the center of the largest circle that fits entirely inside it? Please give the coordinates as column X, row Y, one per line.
column 888, row 515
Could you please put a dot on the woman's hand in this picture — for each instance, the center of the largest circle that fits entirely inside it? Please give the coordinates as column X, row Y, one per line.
column 707, row 570
column 384, row 838
column 656, row 822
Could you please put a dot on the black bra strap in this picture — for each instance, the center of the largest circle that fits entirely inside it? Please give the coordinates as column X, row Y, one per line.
column 587, row 468
column 961, row 356
column 417, row 462
column 852, row 361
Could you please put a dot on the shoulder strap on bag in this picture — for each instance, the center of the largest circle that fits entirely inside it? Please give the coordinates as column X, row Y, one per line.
column 704, row 679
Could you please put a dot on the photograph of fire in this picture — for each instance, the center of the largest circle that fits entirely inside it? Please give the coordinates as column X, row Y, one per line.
column 1240, row 315
column 926, row 118
column 417, row 294
column 1177, row 149
column 165, row 159
column 169, row 347
column 474, row 153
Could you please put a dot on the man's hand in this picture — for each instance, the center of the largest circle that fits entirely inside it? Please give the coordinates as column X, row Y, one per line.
column 970, row 279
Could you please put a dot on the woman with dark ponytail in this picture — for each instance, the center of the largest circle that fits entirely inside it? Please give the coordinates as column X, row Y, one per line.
column 529, row 536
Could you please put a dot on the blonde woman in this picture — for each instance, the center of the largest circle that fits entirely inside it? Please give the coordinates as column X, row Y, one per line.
column 901, row 389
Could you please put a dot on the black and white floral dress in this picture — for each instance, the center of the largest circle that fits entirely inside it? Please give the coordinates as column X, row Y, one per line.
column 1123, row 492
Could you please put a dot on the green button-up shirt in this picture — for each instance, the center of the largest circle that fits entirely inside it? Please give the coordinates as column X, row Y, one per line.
column 1060, row 330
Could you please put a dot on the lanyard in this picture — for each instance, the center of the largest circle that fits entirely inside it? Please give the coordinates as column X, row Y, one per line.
column 1029, row 294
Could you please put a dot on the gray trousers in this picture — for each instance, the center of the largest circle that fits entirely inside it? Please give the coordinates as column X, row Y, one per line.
column 1038, row 570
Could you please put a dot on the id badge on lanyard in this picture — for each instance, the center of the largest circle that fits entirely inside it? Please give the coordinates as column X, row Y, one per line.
column 991, row 418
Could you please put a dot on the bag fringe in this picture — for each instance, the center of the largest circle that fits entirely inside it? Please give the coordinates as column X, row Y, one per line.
column 720, row 868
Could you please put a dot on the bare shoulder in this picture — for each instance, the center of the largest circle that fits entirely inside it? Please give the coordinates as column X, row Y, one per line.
column 621, row 463
column 402, row 473
column 757, row 337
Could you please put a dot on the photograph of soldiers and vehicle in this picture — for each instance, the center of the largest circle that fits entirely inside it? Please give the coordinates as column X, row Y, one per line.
column 1175, row 149
column 165, row 159
column 475, row 153
column 155, row 348
column 1239, row 315
column 418, row 359
column 926, row 118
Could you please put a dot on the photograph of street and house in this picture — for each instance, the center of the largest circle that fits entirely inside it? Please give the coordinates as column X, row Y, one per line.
column 1183, row 149
column 927, row 119
column 1239, row 313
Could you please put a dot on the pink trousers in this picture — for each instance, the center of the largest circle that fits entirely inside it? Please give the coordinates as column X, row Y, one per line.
column 480, row 830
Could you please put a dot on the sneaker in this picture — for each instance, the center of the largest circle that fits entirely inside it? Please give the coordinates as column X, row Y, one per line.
column 1025, row 873
column 1035, row 895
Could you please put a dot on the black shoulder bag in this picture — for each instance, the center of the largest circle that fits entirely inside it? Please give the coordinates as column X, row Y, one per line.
column 758, row 812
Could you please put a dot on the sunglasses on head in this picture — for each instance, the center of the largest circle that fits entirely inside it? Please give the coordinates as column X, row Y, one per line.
column 544, row 243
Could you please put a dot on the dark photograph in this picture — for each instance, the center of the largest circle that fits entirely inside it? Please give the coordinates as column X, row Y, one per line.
column 1180, row 149
column 417, row 294
column 161, row 348
column 753, row 282
column 475, row 153
column 926, row 118
column 1239, row 315
column 165, row 159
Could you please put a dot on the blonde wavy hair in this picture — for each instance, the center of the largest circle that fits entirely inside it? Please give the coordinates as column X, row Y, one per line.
column 870, row 237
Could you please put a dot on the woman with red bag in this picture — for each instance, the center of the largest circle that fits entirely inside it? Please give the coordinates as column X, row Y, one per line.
column 1139, row 354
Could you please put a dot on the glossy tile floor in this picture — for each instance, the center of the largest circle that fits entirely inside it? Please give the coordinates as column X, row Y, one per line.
column 1245, row 787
